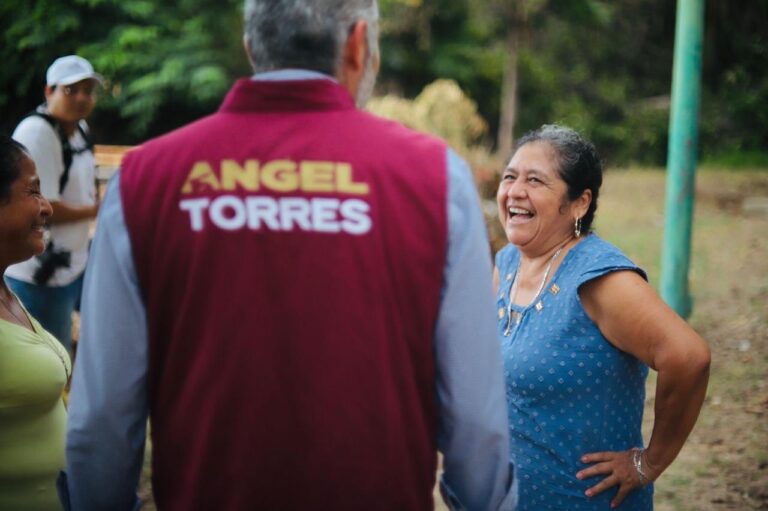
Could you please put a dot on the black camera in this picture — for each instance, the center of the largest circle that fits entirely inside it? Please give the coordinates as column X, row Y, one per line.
column 50, row 260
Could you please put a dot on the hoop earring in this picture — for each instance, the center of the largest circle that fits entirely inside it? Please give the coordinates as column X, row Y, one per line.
column 577, row 227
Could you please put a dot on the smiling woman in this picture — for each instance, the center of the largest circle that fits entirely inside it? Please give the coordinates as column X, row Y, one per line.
column 579, row 327
column 24, row 209
column 34, row 367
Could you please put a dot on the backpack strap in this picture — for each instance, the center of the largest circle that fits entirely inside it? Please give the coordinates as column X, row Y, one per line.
column 67, row 152
column 83, row 129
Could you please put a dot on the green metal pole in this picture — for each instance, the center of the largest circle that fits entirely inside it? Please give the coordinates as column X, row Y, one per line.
column 681, row 156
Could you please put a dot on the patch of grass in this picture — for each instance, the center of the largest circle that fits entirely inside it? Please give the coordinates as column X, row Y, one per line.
column 737, row 160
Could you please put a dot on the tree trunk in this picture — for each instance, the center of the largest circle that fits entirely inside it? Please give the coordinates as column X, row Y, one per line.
column 508, row 114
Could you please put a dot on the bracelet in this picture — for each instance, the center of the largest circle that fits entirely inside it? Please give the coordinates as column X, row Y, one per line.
column 637, row 460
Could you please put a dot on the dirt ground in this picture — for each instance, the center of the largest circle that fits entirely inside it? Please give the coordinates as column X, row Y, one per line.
column 724, row 465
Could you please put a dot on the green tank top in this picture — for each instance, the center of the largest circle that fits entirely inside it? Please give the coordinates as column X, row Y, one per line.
column 34, row 368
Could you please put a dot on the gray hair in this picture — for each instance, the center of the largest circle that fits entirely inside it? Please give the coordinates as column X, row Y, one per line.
column 305, row 34
column 578, row 163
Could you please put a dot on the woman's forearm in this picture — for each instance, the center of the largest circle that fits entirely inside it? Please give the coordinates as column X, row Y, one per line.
column 680, row 391
column 64, row 213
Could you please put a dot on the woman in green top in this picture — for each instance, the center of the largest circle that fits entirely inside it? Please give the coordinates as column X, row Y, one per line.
column 34, row 367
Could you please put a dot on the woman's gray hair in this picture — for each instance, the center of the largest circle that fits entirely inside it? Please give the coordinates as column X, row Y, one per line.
column 578, row 163
column 305, row 34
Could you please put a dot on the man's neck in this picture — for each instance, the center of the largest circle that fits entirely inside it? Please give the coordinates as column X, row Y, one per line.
column 69, row 127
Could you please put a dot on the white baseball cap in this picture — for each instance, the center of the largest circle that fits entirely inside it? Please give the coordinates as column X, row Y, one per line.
column 71, row 69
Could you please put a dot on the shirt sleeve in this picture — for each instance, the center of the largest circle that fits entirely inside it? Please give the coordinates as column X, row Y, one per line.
column 473, row 434
column 44, row 146
column 106, row 430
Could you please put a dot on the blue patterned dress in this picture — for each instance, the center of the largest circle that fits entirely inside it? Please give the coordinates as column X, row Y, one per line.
column 569, row 391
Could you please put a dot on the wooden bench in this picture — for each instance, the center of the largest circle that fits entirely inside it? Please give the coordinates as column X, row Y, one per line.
column 108, row 158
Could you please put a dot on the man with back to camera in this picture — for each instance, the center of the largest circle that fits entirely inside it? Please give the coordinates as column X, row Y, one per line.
column 296, row 292
column 57, row 138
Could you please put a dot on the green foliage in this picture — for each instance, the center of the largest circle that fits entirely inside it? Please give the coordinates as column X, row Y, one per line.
column 441, row 39
column 165, row 63
column 734, row 113
column 168, row 58
column 602, row 66
column 33, row 35
column 606, row 91
column 737, row 160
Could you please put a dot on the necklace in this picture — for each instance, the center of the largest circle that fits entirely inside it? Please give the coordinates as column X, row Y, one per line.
column 515, row 316
column 56, row 349
column 8, row 308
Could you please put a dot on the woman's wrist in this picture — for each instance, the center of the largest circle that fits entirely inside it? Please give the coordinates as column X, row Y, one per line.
column 653, row 467
column 641, row 470
column 646, row 469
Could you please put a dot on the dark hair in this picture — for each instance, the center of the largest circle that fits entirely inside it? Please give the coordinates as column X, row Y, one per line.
column 578, row 163
column 11, row 153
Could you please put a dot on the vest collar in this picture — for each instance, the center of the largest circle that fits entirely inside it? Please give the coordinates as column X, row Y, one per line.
column 286, row 96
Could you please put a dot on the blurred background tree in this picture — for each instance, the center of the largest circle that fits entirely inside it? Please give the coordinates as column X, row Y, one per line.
column 166, row 63
column 601, row 66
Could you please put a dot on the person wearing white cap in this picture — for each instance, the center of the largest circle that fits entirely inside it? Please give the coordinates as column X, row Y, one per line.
column 58, row 139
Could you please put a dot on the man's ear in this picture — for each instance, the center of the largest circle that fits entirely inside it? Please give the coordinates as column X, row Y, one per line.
column 247, row 48
column 48, row 91
column 353, row 57
column 356, row 47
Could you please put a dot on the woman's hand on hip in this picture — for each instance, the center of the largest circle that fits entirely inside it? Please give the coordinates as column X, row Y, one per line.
column 620, row 470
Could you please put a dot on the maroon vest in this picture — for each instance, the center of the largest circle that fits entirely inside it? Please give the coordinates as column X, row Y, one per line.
column 290, row 252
